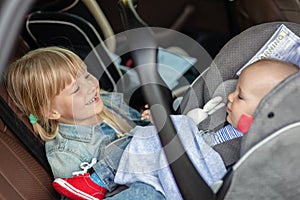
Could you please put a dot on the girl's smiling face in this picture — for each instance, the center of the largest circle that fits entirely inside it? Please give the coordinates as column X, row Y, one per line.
column 79, row 101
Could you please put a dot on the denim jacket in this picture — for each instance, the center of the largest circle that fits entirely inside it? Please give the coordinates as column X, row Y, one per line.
column 76, row 144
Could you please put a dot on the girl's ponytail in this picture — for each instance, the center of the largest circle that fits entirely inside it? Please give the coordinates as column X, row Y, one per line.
column 46, row 132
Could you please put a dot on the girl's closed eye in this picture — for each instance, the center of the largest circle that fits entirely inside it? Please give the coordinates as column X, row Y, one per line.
column 76, row 89
column 240, row 97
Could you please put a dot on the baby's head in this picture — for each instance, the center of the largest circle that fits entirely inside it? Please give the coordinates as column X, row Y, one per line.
column 255, row 82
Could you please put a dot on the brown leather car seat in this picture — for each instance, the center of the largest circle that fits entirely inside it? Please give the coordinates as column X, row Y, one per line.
column 21, row 175
column 253, row 12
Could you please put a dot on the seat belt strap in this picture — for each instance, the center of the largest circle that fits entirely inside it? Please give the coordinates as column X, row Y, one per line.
column 23, row 133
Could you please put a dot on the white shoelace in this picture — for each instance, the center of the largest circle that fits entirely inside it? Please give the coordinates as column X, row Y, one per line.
column 85, row 166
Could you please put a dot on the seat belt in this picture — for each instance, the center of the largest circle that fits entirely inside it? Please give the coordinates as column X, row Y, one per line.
column 21, row 131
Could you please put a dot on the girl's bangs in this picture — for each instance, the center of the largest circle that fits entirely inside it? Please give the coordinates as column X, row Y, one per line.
column 67, row 71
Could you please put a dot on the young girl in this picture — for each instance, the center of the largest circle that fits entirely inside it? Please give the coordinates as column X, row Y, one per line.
column 66, row 109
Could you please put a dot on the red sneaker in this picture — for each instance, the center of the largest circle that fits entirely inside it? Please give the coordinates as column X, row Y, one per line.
column 79, row 187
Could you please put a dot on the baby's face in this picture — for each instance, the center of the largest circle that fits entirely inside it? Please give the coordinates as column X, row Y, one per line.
column 255, row 82
column 252, row 86
column 242, row 101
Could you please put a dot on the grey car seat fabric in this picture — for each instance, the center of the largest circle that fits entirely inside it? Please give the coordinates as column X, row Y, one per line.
column 216, row 79
column 268, row 155
column 268, row 168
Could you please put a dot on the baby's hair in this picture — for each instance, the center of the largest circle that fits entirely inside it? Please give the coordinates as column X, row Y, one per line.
column 35, row 79
column 277, row 61
column 278, row 68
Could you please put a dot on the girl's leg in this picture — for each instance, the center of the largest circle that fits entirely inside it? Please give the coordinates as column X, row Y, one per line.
column 138, row 191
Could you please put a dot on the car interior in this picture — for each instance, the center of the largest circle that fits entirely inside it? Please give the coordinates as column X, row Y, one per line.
column 230, row 32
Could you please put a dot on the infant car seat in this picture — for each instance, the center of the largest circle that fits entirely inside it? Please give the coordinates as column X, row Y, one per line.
column 219, row 78
column 267, row 167
column 268, row 150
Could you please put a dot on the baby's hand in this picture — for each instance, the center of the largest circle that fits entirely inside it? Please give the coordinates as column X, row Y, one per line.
column 147, row 114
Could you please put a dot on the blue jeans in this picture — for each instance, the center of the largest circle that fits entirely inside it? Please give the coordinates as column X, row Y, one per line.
column 138, row 191
column 106, row 169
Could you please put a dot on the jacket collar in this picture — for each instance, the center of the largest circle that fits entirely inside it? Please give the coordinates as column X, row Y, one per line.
column 78, row 132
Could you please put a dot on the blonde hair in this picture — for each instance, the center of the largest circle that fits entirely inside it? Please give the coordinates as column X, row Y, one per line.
column 35, row 79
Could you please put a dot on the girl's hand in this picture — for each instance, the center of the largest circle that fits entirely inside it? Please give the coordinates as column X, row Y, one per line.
column 147, row 114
